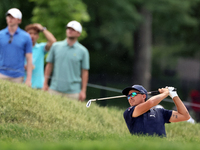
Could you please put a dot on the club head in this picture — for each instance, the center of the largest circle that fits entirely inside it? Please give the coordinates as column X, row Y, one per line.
column 88, row 103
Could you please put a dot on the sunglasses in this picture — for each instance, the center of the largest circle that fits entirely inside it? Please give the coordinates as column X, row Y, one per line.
column 11, row 38
column 133, row 94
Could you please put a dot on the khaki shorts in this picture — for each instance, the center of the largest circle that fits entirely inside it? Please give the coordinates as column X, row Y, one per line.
column 72, row 96
column 16, row 80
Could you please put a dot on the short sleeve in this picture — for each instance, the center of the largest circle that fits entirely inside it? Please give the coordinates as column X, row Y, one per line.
column 28, row 45
column 85, row 60
column 167, row 115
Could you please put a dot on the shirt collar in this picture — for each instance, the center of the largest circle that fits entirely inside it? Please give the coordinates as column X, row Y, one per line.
column 36, row 45
column 74, row 45
column 16, row 32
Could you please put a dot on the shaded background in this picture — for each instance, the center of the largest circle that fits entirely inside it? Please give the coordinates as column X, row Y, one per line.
column 154, row 43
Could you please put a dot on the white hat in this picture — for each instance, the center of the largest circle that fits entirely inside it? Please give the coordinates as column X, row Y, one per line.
column 16, row 13
column 75, row 25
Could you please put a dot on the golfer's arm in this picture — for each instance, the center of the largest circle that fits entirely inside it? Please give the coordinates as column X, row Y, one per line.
column 153, row 101
column 182, row 113
column 85, row 75
column 47, row 73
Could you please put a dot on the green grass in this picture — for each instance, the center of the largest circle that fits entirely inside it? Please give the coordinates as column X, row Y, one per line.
column 33, row 119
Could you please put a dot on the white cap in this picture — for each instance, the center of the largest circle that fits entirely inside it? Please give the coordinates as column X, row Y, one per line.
column 16, row 13
column 75, row 25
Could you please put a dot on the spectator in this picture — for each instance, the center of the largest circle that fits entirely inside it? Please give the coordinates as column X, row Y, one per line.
column 15, row 45
column 69, row 61
column 39, row 50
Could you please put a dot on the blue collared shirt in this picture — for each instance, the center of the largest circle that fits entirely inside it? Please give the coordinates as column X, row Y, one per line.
column 12, row 54
column 149, row 123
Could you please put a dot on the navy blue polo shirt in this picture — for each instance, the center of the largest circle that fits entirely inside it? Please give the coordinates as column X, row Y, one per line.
column 12, row 54
column 149, row 123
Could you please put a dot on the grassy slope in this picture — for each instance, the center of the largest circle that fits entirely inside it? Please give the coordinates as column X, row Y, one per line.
column 33, row 118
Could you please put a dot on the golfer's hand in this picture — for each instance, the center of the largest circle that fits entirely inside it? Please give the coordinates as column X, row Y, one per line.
column 172, row 93
column 164, row 90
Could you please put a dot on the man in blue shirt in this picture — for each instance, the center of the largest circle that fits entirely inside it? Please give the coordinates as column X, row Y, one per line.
column 141, row 119
column 15, row 46
column 39, row 50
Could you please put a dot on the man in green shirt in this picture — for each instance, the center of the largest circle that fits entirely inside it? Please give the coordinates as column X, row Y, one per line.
column 69, row 61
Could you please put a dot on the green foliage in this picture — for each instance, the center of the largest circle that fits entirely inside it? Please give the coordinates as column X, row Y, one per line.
column 56, row 14
column 25, row 7
column 33, row 119
column 175, row 23
column 175, row 33
column 111, row 28
column 162, row 54
column 110, row 35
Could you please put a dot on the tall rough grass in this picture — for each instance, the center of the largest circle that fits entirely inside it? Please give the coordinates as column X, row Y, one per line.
column 29, row 118
column 36, row 109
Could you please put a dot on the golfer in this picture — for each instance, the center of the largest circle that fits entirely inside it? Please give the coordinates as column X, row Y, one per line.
column 141, row 119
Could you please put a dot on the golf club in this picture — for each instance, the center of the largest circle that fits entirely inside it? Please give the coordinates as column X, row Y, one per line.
column 99, row 99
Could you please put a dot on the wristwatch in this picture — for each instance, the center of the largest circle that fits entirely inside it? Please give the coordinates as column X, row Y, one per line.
column 44, row 28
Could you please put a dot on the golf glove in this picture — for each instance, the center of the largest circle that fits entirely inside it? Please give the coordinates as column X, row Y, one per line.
column 172, row 93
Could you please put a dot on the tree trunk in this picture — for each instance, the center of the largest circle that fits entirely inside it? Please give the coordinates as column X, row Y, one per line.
column 142, row 51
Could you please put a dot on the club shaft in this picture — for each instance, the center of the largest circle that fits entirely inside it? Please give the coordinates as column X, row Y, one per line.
column 98, row 99
column 153, row 92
